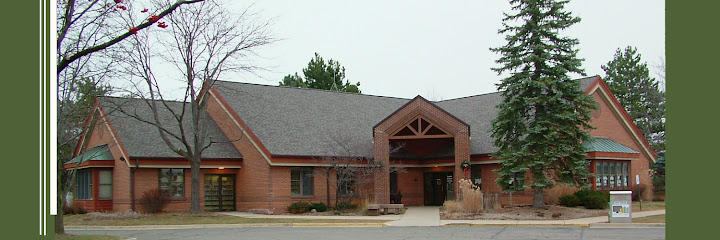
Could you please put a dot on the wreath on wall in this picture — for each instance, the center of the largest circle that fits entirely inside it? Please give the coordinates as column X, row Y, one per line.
column 465, row 165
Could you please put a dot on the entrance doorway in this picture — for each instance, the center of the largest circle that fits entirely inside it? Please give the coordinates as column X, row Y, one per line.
column 438, row 188
column 219, row 192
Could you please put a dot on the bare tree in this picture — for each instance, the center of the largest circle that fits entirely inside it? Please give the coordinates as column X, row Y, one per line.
column 204, row 40
column 86, row 27
column 84, row 30
column 353, row 169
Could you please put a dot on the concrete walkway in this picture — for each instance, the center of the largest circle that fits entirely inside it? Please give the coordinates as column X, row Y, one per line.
column 418, row 216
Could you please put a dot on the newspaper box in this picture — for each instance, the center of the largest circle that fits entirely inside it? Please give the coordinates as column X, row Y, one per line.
column 620, row 207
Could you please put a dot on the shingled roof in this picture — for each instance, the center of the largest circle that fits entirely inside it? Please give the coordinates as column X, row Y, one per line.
column 310, row 122
column 142, row 139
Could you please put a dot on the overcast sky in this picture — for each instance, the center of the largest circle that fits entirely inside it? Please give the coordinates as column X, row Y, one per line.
column 438, row 49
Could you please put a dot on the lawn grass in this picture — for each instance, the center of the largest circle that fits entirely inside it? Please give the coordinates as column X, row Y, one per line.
column 86, row 237
column 647, row 206
column 650, row 219
column 183, row 219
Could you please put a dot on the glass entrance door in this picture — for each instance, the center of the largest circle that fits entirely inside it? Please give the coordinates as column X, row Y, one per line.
column 437, row 188
column 219, row 192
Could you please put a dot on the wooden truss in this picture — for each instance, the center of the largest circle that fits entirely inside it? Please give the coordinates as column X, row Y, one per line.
column 420, row 128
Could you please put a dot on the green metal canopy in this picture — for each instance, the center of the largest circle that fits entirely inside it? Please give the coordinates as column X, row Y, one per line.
column 101, row 152
column 599, row 144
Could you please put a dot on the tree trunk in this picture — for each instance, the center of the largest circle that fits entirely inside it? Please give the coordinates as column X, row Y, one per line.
column 327, row 186
column 195, row 186
column 59, row 223
column 538, row 197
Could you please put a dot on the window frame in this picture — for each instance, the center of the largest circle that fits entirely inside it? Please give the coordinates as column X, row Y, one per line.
column 101, row 185
column 85, row 192
column 348, row 189
column 612, row 175
column 171, row 183
column 303, row 174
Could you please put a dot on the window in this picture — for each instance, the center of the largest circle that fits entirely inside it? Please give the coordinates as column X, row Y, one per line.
column 476, row 175
column 105, row 184
column 348, row 183
column 84, row 187
column 394, row 183
column 173, row 181
column 301, row 181
column 612, row 175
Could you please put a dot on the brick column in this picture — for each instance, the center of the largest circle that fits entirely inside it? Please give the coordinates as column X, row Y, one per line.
column 382, row 153
column 462, row 153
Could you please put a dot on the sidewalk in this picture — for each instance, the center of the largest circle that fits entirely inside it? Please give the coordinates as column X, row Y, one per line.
column 418, row 216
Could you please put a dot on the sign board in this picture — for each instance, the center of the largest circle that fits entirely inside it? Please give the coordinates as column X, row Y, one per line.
column 620, row 209
column 637, row 179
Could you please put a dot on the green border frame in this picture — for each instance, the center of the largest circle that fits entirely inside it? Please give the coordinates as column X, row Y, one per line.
column 692, row 118
column 21, row 124
column 693, row 50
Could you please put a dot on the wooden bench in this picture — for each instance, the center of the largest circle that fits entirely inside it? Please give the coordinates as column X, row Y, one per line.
column 374, row 209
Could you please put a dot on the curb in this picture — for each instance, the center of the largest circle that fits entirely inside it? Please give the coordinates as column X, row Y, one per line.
column 627, row 225
column 340, row 225
column 166, row 227
column 516, row 224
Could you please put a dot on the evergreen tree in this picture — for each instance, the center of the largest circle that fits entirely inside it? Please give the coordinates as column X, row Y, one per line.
column 293, row 81
column 544, row 116
column 630, row 81
column 319, row 74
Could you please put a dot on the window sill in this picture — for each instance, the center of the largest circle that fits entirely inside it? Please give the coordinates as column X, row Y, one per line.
column 303, row 197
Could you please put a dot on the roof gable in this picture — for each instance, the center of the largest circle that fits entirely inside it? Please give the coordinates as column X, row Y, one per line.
column 141, row 139
column 599, row 86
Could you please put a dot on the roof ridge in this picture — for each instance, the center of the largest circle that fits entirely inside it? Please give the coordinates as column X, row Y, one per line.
column 313, row 89
column 477, row 95
column 135, row 98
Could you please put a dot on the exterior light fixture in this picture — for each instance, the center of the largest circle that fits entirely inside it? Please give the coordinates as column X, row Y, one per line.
column 221, row 168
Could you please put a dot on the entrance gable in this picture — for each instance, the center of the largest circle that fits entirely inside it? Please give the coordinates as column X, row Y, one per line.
column 420, row 128
column 420, row 117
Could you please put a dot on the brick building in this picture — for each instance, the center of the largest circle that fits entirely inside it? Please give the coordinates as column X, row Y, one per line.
column 269, row 146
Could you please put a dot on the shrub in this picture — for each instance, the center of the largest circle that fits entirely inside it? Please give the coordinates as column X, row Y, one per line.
column 640, row 192
column 586, row 195
column 75, row 208
column 556, row 215
column 155, row 200
column 299, row 207
column 596, row 201
column 346, row 206
column 472, row 197
column 319, row 206
column 569, row 200
column 451, row 206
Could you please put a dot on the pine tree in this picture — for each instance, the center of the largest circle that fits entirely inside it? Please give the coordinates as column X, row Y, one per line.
column 629, row 79
column 319, row 74
column 544, row 116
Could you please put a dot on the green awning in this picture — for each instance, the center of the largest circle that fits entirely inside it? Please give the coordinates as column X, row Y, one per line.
column 599, row 144
column 101, row 152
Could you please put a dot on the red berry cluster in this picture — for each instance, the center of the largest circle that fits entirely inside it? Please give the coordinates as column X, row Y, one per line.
column 153, row 18
column 162, row 25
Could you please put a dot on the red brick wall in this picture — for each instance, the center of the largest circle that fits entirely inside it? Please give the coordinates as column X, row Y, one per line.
column 609, row 124
column 103, row 134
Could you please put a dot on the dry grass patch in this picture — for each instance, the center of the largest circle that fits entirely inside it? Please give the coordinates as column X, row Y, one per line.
column 647, row 206
column 86, row 237
column 187, row 218
column 650, row 219
column 550, row 212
